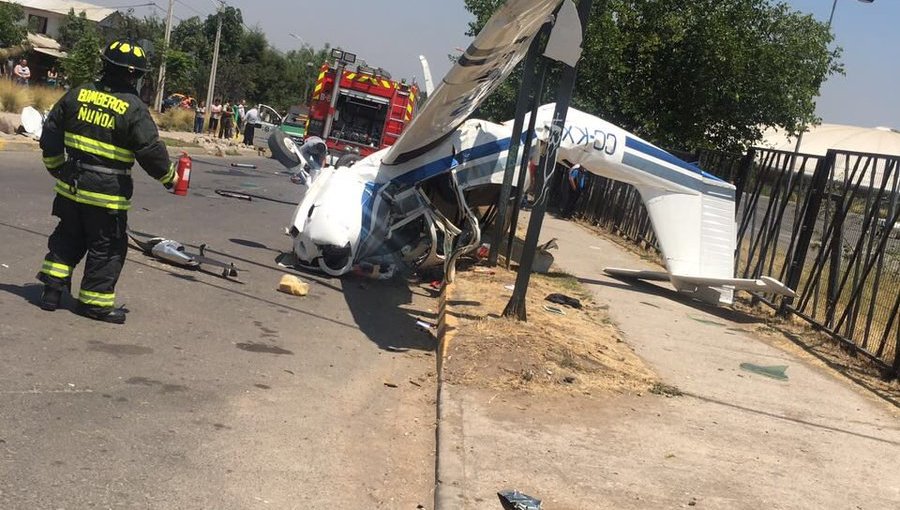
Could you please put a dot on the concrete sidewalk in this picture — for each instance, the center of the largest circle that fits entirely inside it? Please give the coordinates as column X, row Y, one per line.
column 733, row 440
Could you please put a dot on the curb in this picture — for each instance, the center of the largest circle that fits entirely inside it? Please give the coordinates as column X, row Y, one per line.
column 6, row 146
column 449, row 467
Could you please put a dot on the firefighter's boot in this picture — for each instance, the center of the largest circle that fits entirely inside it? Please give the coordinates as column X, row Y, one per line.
column 50, row 298
column 101, row 313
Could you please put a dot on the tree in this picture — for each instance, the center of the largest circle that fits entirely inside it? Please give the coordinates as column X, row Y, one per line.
column 83, row 63
column 73, row 29
column 694, row 73
column 11, row 30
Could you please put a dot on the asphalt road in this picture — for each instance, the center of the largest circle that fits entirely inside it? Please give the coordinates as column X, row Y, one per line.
column 214, row 394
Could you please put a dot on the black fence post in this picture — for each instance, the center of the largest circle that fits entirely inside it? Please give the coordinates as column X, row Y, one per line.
column 743, row 175
column 516, row 305
column 525, row 91
column 837, row 253
column 810, row 214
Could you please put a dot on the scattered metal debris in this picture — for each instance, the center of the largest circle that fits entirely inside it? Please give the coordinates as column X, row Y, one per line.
column 515, row 500
column 554, row 309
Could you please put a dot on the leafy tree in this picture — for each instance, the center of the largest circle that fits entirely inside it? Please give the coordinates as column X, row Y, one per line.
column 232, row 30
column 73, row 29
column 11, row 31
column 83, row 63
column 693, row 73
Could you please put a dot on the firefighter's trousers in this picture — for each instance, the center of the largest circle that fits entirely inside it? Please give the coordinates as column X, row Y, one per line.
column 86, row 229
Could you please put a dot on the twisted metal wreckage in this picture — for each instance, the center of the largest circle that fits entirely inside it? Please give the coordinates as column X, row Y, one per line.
column 415, row 202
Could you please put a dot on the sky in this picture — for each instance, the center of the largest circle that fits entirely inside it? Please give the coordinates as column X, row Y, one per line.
column 393, row 33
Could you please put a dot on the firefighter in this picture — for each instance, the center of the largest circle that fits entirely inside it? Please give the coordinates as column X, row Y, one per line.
column 90, row 140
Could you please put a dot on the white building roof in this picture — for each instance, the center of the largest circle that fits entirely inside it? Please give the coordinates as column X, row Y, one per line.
column 92, row 12
column 878, row 140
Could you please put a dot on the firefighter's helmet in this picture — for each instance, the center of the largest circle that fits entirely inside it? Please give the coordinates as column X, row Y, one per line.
column 127, row 54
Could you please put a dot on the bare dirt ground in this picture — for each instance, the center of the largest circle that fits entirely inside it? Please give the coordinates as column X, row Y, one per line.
column 579, row 353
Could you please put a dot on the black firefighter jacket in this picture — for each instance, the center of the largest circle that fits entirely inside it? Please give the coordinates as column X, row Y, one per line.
column 103, row 130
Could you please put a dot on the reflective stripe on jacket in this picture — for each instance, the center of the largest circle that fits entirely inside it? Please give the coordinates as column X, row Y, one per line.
column 101, row 126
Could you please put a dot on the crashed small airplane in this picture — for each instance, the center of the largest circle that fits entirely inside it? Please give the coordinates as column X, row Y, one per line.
column 393, row 206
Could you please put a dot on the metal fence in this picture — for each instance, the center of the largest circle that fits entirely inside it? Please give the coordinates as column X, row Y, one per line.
column 827, row 226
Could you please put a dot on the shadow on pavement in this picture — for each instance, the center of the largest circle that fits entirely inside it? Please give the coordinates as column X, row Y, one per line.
column 643, row 287
column 252, row 244
column 378, row 310
column 30, row 292
column 793, row 420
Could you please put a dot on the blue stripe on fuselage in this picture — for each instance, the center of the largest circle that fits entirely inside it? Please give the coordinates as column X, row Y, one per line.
column 649, row 150
column 444, row 164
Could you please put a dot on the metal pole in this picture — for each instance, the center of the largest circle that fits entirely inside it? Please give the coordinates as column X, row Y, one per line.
column 523, row 166
column 516, row 305
column 525, row 90
column 335, row 92
column 215, row 64
column 831, row 17
column 161, row 83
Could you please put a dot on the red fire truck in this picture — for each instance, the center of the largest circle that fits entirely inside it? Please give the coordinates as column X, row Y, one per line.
column 362, row 112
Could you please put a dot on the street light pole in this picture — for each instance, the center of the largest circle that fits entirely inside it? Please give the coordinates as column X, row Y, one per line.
column 215, row 63
column 834, row 4
column 161, row 84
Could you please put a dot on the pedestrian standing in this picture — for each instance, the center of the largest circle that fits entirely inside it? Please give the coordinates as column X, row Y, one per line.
column 199, row 117
column 90, row 141
column 250, row 122
column 22, row 73
column 215, row 113
column 576, row 181
column 52, row 78
column 226, row 131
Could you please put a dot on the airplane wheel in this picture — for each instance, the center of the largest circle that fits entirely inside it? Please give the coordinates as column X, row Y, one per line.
column 282, row 147
column 347, row 160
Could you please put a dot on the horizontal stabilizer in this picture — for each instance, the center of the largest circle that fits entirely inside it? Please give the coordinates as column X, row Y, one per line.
column 713, row 290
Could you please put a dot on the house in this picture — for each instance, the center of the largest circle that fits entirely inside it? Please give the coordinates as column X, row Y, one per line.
column 44, row 17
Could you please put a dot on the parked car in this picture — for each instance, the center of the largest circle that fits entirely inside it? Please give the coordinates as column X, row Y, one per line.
column 293, row 125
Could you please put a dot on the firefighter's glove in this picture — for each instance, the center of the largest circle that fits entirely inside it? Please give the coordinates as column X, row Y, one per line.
column 173, row 183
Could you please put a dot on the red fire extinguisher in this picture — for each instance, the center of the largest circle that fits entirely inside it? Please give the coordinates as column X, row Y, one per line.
column 184, row 174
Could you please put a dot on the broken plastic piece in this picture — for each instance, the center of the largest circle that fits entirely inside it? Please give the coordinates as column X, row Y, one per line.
column 774, row 372
column 515, row 500
column 562, row 299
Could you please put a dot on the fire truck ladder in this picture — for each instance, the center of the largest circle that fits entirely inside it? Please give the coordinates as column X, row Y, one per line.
column 397, row 115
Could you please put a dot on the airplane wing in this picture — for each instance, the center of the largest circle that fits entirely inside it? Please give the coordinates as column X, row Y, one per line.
column 500, row 45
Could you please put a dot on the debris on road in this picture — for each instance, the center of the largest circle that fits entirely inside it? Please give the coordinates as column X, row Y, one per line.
column 243, row 165
column 773, row 372
column 233, row 194
column 562, row 299
column 397, row 349
column 390, row 384
column 515, row 500
column 292, row 285
column 427, row 326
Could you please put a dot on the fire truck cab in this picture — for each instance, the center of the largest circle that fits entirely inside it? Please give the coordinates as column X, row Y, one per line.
column 362, row 111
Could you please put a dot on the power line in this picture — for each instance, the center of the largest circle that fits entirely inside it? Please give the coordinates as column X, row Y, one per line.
column 192, row 8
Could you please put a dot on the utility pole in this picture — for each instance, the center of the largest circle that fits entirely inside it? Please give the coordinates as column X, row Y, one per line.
column 161, row 83
column 215, row 63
